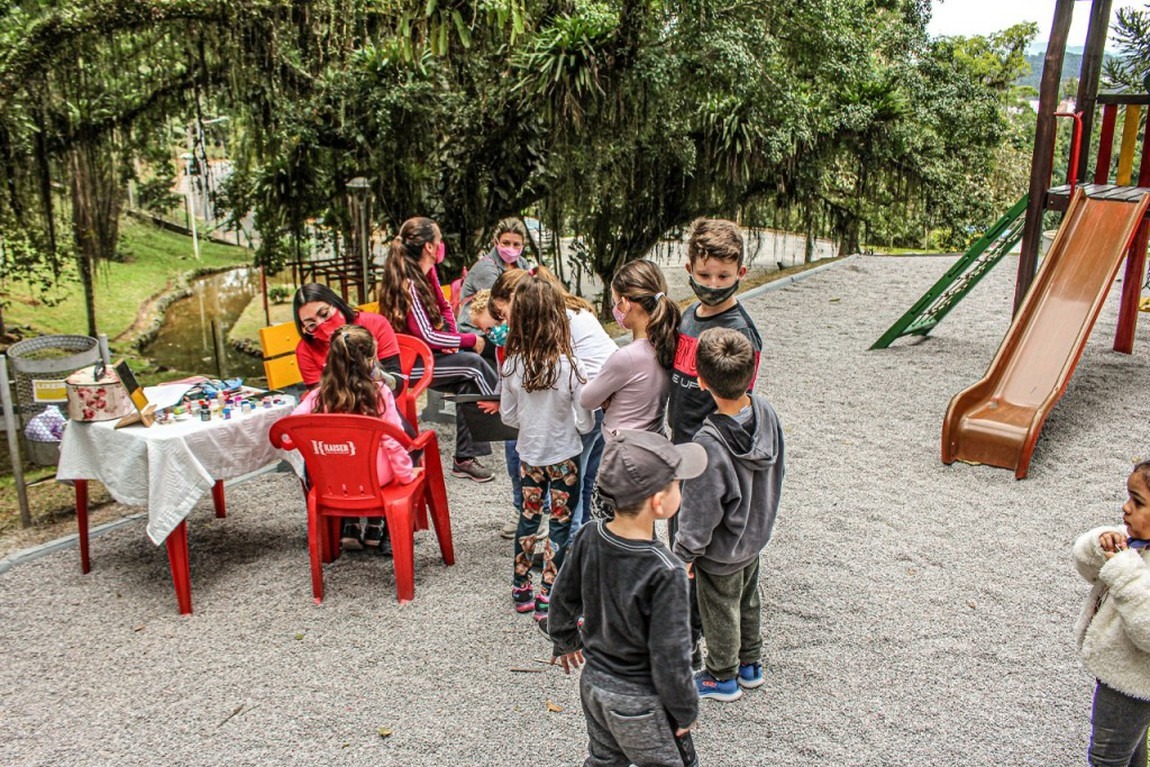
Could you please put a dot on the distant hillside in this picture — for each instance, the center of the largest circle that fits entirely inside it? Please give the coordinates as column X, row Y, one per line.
column 1071, row 66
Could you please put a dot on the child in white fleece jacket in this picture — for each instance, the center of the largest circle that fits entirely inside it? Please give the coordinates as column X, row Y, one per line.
column 1113, row 631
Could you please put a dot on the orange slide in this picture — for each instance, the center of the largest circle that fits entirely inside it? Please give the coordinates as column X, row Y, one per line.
column 997, row 420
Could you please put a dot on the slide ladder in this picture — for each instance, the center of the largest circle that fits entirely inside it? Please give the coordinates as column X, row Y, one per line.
column 997, row 420
column 929, row 310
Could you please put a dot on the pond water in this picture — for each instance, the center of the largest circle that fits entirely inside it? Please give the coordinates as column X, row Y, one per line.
column 185, row 338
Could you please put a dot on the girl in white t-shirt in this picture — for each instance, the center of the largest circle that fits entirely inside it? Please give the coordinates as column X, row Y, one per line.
column 592, row 347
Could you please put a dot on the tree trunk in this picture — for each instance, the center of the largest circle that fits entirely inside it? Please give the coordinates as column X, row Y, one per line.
column 96, row 202
column 809, row 250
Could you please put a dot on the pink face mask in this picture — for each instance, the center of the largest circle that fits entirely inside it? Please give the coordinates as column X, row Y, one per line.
column 619, row 315
column 440, row 252
column 509, row 255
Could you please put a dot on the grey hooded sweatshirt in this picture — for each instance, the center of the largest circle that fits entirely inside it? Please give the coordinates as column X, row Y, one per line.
column 728, row 512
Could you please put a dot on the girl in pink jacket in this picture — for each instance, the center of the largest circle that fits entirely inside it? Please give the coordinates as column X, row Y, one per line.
column 348, row 385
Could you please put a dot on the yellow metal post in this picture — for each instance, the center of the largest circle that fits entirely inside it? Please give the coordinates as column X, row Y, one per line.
column 1129, row 140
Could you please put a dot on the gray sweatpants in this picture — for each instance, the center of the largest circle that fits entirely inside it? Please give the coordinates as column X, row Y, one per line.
column 626, row 724
column 730, row 608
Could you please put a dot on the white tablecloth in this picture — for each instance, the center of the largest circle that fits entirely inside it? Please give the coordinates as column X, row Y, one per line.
column 168, row 467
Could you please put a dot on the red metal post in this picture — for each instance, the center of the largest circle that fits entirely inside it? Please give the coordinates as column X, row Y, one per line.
column 1075, row 147
column 177, row 545
column 1135, row 268
column 82, row 523
column 1131, row 291
column 218, row 499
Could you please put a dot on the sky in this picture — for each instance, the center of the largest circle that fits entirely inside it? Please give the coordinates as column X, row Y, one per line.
column 981, row 17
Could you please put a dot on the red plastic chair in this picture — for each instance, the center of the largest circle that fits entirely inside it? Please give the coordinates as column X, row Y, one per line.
column 340, row 454
column 412, row 350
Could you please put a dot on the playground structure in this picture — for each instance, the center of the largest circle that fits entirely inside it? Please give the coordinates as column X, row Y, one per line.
column 997, row 421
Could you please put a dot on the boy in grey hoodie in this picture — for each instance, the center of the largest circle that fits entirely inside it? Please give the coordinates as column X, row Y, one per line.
column 728, row 514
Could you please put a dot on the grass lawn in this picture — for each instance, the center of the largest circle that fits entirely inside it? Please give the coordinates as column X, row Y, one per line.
column 154, row 261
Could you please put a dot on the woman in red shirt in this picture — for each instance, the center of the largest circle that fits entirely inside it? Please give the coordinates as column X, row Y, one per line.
column 318, row 313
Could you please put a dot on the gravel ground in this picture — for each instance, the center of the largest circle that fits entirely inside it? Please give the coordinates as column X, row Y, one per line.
column 914, row 613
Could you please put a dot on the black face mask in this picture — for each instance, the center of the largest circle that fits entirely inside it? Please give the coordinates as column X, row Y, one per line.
column 713, row 296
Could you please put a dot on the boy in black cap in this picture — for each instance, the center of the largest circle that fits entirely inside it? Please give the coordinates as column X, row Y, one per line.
column 632, row 595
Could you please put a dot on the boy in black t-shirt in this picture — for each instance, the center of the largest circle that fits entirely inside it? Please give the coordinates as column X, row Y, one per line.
column 715, row 265
column 637, row 690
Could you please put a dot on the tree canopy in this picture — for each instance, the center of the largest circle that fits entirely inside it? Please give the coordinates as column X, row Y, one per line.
column 620, row 121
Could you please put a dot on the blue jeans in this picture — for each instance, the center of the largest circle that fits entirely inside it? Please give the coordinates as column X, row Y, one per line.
column 1118, row 732
column 512, row 456
column 588, row 470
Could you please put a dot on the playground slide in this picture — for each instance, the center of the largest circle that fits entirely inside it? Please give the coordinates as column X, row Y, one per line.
column 997, row 420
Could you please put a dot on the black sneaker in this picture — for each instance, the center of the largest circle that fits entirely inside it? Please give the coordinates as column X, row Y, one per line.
column 471, row 468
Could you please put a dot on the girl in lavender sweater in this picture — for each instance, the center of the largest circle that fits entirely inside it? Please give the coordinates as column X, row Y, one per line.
column 633, row 386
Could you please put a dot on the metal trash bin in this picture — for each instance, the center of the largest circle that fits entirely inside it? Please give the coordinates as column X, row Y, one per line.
column 39, row 363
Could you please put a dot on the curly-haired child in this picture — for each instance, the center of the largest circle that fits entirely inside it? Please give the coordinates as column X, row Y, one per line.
column 1113, row 631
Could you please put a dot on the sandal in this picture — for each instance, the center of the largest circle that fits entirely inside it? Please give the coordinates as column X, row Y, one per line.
column 373, row 534
column 376, row 537
column 349, row 539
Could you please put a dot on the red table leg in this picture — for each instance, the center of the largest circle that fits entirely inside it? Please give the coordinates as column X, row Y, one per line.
column 218, row 499
column 82, row 523
column 177, row 545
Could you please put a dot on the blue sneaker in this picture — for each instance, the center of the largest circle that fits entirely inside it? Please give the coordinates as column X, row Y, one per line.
column 724, row 690
column 750, row 675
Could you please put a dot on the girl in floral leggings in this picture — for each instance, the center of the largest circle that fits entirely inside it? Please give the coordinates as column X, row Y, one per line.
column 542, row 382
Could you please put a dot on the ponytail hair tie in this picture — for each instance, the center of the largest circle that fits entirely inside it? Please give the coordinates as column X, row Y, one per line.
column 659, row 295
